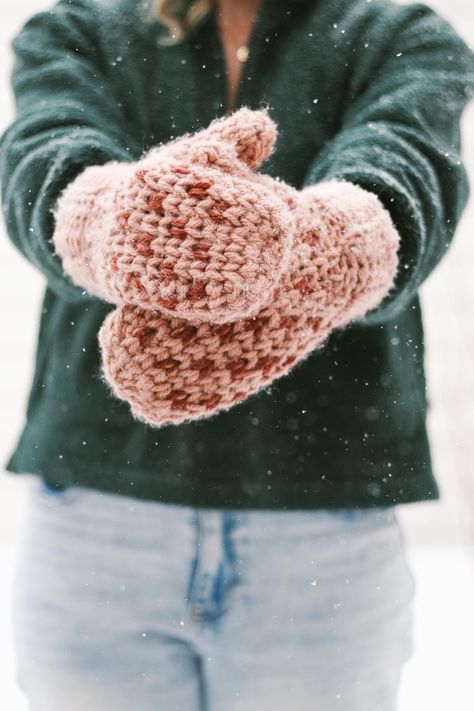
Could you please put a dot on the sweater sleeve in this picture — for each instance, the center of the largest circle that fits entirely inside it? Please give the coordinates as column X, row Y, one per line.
column 410, row 77
column 66, row 119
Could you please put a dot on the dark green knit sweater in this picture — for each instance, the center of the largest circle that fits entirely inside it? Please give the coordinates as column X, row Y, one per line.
column 367, row 91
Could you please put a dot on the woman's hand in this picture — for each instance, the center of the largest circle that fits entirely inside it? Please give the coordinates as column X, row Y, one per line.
column 343, row 263
column 186, row 230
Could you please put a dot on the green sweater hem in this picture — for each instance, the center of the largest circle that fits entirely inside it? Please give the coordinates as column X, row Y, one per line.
column 385, row 481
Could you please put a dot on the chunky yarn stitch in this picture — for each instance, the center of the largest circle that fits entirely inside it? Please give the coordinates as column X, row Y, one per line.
column 186, row 230
column 225, row 278
column 343, row 263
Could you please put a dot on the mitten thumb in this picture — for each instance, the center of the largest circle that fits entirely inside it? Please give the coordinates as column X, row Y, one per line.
column 252, row 133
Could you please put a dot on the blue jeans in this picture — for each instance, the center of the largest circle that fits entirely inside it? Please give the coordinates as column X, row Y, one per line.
column 122, row 604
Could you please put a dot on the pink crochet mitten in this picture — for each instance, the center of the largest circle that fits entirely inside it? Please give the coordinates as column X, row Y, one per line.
column 343, row 263
column 186, row 229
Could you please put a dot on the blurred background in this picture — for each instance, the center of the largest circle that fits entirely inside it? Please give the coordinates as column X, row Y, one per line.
column 439, row 535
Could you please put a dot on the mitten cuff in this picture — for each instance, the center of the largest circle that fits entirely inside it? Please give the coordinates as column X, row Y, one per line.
column 83, row 217
column 359, row 241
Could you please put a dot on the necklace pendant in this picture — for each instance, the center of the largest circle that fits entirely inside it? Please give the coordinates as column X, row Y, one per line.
column 242, row 53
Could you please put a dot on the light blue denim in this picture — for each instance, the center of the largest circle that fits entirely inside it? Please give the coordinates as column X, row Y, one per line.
column 124, row 605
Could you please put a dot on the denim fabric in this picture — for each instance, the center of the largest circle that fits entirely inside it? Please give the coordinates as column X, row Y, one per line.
column 127, row 604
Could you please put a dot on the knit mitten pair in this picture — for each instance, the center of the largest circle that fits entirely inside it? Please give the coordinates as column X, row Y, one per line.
column 225, row 278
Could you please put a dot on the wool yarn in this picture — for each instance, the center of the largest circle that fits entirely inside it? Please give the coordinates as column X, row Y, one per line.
column 186, row 229
column 343, row 262
column 225, row 278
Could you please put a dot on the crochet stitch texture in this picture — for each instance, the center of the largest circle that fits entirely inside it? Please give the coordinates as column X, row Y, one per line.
column 201, row 328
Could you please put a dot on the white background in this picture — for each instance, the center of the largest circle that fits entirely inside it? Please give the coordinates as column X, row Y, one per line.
column 440, row 536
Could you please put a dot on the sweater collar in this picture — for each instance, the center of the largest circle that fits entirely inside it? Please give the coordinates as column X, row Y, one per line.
column 271, row 13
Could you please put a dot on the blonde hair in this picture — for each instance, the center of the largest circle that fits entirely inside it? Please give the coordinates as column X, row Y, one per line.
column 180, row 17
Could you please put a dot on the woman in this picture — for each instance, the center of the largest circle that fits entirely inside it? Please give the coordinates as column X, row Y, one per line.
column 239, row 553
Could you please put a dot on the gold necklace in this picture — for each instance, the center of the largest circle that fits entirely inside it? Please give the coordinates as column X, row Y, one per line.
column 242, row 52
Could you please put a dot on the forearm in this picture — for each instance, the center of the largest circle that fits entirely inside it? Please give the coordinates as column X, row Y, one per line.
column 424, row 194
column 66, row 120
column 35, row 171
column 399, row 136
